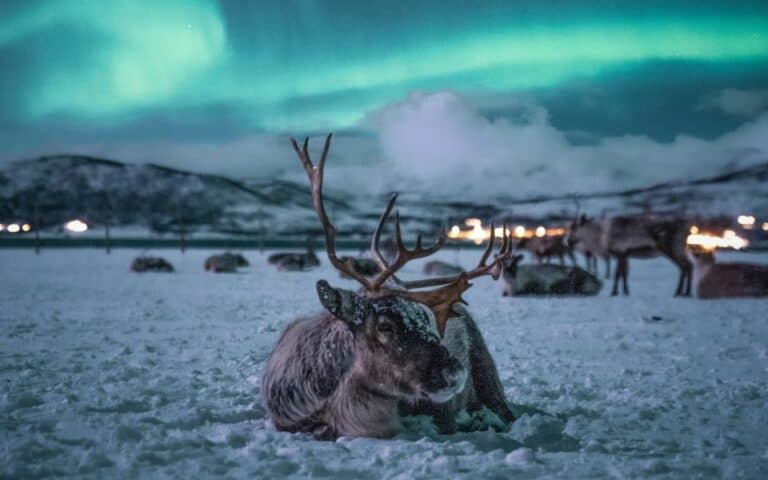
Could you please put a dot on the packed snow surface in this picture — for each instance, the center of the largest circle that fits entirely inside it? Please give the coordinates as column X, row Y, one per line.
column 106, row 373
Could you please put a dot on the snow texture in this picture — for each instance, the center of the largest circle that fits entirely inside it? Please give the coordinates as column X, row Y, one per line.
column 106, row 373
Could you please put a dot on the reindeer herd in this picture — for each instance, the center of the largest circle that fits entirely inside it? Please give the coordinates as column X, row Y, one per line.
column 397, row 347
column 400, row 347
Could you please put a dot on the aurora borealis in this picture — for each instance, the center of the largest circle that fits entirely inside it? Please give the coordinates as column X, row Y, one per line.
column 143, row 78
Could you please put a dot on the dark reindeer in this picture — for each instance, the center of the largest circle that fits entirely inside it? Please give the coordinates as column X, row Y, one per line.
column 391, row 349
column 294, row 261
column 151, row 264
column 225, row 263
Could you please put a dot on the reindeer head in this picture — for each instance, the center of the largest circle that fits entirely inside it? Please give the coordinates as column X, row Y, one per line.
column 400, row 346
column 574, row 235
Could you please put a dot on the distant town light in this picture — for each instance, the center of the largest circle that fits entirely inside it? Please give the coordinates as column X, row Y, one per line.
column 541, row 231
column 765, row 226
column 729, row 239
column 2, row 227
column 455, row 231
column 76, row 226
column 694, row 229
column 520, row 231
column 13, row 228
column 26, row 227
column 746, row 221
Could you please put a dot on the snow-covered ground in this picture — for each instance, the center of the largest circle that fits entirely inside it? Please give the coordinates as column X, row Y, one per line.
column 105, row 373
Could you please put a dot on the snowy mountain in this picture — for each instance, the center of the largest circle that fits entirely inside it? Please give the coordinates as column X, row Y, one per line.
column 158, row 199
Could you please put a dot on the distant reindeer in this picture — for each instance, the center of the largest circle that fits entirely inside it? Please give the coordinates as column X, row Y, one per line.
column 225, row 263
column 436, row 267
column 544, row 248
column 643, row 236
column 294, row 261
column 151, row 264
column 366, row 267
column 391, row 349
column 586, row 235
column 546, row 279
column 713, row 279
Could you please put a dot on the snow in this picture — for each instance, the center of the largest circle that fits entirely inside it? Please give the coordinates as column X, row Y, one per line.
column 107, row 373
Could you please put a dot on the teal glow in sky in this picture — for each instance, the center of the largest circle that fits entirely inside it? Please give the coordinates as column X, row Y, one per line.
column 75, row 72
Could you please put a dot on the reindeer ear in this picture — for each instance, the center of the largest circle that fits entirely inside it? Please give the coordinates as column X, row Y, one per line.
column 345, row 305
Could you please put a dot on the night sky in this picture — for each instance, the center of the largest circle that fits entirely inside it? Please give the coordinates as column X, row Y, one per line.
column 420, row 89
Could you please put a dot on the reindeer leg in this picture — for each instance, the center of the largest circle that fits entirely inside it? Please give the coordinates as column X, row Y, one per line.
column 607, row 267
column 562, row 260
column 625, row 271
column 680, row 281
column 617, row 274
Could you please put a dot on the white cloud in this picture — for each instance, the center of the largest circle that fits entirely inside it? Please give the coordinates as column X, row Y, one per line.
column 441, row 143
column 740, row 103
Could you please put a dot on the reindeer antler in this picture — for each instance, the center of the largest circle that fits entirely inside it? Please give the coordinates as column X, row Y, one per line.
column 440, row 300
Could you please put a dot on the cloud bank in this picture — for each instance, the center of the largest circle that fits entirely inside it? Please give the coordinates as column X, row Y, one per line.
column 442, row 143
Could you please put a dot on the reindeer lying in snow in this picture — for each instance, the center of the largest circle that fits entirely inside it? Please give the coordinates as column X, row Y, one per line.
column 538, row 279
column 728, row 279
column 390, row 349
column 366, row 267
column 151, row 264
column 225, row 263
column 294, row 261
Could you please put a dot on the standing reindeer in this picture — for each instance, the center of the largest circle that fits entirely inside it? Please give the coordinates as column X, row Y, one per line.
column 585, row 234
column 728, row 279
column 392, row 348
column 645, row 237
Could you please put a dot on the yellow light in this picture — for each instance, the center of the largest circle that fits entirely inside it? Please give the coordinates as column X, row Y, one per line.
column 694, row 229
column 520, row 231
column 26, row 227
column 765, row 226
column 76, row 226
column 455, row 232
column 541, row 231
column 13, row 228
column 2, row 227
column 729, row 239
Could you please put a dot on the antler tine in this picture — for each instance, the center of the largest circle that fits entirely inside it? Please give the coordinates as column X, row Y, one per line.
column 315, row 174
column 303, row 157
column 489, row 248
column 375, row 251
column 324, row 155
column 403, row 254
